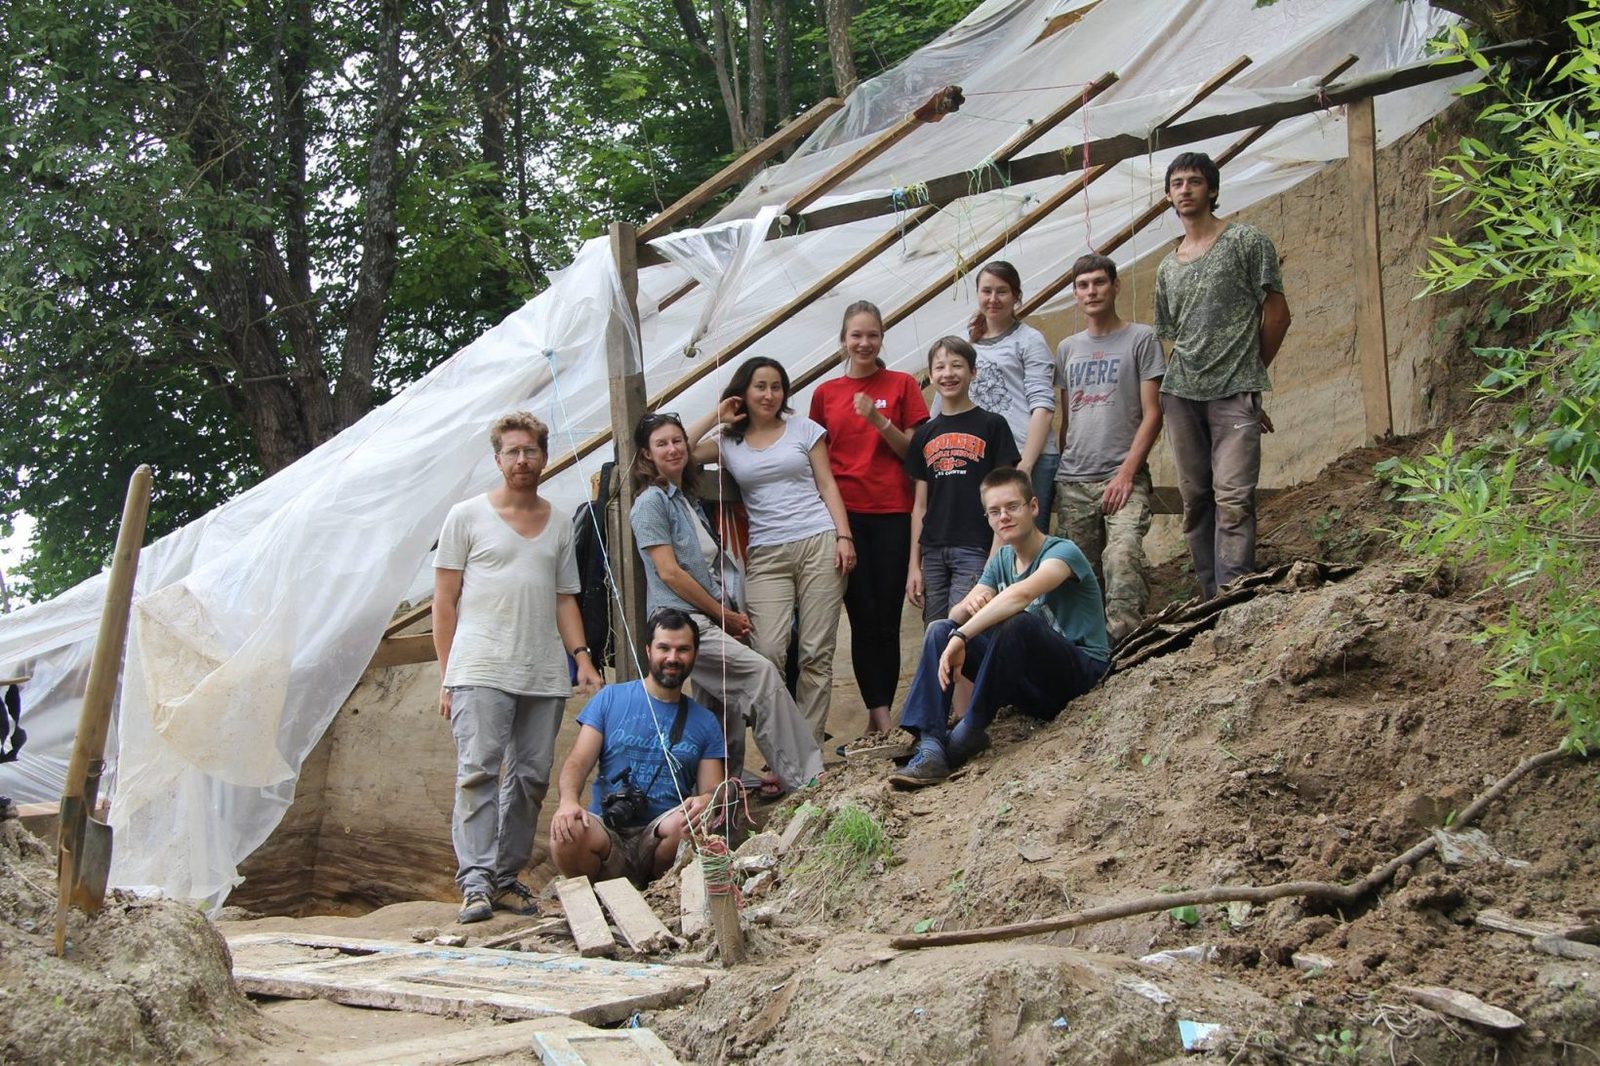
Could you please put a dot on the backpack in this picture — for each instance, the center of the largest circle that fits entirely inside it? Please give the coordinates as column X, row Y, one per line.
column 594, row 597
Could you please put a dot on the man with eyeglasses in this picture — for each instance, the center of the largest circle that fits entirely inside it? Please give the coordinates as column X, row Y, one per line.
column 505, row 617
column 1031, row 634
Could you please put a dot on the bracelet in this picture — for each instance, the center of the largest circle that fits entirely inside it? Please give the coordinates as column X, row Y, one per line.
column 844, row 536
column 582, row 649
column 957, row 633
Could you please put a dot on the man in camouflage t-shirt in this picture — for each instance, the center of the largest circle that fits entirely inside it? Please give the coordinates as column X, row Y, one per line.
column 1220, row 308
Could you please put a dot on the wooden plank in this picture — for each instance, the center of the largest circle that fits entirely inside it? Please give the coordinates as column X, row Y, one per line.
column 725, row 928
column 1366, row 249
column 431, row 979
column 754, row 158
column 401, row 651
column 1560, row 925
column 460, row 1046
column 1561, row 947
column 409, row 617
column 949, row 188
column 543, row 927
column 603, row 1047
column 589, row 929
column 801, row 822
column 626, row 368
column 1462, row 1005
column 640, row 927
column 692, row 900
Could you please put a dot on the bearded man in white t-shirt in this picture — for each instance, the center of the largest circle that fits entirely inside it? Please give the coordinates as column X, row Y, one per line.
column 505, row 616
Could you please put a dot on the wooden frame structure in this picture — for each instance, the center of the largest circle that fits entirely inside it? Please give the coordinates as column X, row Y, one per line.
column 632, row 249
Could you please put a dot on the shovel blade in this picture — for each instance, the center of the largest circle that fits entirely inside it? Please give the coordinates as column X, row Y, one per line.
column 93, row 867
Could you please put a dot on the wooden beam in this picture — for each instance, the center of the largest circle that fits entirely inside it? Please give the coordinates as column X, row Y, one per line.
column 406, row 619
column 1045, row 293
column 827, row 282
column 589, row 929
column 951, row 187
column 625, row 362
column 401, row 651
column 796, row 130
column 1039, row 213
column 1366, row 249
column 640, row 927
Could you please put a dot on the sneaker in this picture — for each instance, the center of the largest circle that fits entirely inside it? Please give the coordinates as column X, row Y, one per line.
column 894, row 744
column 475, row 908
column 517, row 899
column 965, row 745
column 927, row 767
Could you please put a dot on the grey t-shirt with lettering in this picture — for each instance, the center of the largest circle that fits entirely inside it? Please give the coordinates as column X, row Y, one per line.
column 1210, row 309
column 1100, row 377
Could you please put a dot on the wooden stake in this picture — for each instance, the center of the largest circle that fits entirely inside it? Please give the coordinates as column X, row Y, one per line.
column 589, row 929
column 725, row 928
column 623, row 357
column 1366, row 248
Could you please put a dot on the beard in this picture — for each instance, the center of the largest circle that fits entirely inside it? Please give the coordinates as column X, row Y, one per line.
column 668, row 676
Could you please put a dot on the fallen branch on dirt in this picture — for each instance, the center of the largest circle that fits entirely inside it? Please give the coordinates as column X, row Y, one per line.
column 1320, row 891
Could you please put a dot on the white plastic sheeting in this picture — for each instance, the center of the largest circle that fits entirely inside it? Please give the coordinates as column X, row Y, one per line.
column 252, row 624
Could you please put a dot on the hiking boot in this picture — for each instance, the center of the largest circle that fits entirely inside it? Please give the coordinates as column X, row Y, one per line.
column 927, row 767
column 894, row 744
column 475, row 908
column 517, row 899
column 965, row 745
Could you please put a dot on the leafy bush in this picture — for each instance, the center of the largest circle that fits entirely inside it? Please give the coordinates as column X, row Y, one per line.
column 1522, row 502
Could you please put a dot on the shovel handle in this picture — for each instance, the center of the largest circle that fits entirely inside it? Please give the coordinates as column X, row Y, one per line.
column 94, row 722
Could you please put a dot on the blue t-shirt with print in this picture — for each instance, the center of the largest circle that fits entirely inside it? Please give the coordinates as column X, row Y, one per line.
column 635, row 727
column 1072, row 608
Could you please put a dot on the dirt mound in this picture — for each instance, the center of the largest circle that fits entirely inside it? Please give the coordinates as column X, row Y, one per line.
column 143, row 980
column 1313, row 733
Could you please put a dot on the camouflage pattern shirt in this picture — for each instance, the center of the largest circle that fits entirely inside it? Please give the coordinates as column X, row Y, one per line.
column 1210, row 309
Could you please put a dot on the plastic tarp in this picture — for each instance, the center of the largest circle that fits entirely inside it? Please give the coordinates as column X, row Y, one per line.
column 253, row 624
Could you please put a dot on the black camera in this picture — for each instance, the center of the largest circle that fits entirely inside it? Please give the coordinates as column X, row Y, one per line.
column 625, row 807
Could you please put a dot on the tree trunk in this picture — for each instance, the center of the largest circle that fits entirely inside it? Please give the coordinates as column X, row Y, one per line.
column 755, row 114
column 1503, row 21
column 839, row 14
column 379, row 231
column 783, row 46
column 727, row 76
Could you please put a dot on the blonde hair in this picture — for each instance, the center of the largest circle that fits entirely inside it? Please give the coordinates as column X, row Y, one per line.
column 520, row 420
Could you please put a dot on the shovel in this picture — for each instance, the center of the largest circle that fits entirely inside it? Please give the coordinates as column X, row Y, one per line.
column 84, row 849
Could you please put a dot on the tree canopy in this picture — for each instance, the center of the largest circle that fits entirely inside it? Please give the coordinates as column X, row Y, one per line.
column 234, row 228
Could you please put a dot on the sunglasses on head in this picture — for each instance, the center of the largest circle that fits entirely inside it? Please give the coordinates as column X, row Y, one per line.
column 659, row 418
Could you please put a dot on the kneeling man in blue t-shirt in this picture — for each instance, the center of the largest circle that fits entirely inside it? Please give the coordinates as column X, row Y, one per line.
column 1031, row 634
column 660, row 756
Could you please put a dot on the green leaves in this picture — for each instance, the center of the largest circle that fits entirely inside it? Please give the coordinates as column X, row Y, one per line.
column 1522, row 503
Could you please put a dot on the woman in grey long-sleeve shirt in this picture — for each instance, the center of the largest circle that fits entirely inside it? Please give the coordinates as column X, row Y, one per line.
column 1016, row 377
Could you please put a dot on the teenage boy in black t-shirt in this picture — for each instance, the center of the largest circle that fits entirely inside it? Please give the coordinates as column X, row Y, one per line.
column 948, row 458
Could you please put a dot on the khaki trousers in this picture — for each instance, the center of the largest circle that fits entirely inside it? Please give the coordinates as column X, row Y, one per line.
column 783, row 578
column 1114, row 544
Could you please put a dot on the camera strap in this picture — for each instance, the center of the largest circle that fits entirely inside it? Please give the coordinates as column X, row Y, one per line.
column 679, row 722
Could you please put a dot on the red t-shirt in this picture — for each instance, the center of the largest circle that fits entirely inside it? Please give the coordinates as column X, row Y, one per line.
column 870, row 476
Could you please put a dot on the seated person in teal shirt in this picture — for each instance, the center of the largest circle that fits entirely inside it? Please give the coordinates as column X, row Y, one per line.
column 1031, row 634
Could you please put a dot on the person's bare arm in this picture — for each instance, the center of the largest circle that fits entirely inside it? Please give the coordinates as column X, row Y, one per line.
column 569, row 623
column 844, row 554
column 1061, row 434
column 1038, row 433
column 446, row 604
column 1011, row 600
column 1274, row 325
column 896, row 438
column 680, row 581
column 1144, row 438
column 709, row 775
column 919, row 509
column 726, row 412
column 570, row 819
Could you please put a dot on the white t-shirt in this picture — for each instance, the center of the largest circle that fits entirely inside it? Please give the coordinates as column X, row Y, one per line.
column 778, row 485
column 506, row 635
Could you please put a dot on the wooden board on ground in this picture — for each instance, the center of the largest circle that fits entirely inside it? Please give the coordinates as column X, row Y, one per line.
column 1560, row 925
column 692, row 899
column 460, row 1046
column 639, row 925
column 588, row 924
column 435, row 980
column 1462, row 1005
column 603, row 1047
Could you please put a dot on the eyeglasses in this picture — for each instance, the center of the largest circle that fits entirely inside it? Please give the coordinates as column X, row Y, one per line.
column 659, row 418
column 518, row 454
column 1010, row 510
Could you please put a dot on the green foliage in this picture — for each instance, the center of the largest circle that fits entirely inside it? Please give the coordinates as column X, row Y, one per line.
column 1189, row 916
column 1522, row 502
column 855, row 839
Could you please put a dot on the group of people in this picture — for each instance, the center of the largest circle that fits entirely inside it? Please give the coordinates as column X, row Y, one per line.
column 873, row 497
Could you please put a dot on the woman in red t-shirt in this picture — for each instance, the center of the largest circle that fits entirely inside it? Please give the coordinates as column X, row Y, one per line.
column 869, row 414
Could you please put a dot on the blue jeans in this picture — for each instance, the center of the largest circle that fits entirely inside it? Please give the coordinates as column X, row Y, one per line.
column 948, row 574
column 1044, row 487
column 1021, row 662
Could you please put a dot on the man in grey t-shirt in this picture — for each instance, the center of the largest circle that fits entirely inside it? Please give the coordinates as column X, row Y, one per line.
column 1220, row 304
column 1110, row 376
column 505, row 615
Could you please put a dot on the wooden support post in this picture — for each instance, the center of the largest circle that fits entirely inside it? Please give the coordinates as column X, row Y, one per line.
column 725, row 928
column 1372, row 337
column 624, row 359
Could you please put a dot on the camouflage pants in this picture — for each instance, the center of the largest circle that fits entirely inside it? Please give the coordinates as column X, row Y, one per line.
column 1114, row 544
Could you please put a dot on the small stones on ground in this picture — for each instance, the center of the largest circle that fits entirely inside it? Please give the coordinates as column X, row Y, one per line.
column 451, row 940
column 1192, row 953
column 1310, row 961
column 424, row 934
